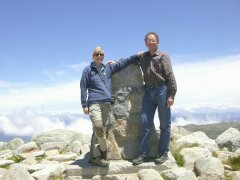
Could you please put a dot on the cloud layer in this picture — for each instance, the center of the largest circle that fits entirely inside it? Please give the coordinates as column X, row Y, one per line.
column 211, row 81
column 28, row 122
column 54, row 97
column 26, row 109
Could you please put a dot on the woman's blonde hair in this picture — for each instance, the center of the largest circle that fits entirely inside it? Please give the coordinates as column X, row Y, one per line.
column 97, row 50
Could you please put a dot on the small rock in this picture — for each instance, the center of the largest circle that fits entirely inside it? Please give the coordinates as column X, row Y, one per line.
column 17, row 171
column 147, row 174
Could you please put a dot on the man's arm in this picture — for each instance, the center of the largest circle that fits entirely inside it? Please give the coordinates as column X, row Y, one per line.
column 172, row 85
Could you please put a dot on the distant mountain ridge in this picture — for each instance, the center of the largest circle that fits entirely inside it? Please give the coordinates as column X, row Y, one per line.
column 207, row 115
column 212, row 130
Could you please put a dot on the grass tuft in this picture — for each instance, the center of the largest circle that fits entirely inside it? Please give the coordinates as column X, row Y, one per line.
column 234, row 162
column 165, row 177
column 16, row 159
column 176, row 153
column 215, row 154
column 4, row 166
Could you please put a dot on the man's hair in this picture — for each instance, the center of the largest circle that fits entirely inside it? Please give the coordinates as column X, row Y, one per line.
column 154, row 33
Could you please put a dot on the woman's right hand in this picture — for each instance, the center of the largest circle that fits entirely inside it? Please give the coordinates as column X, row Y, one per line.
column 86, row 110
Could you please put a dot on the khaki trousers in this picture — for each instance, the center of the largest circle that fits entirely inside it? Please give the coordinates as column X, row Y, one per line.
column 100, row 117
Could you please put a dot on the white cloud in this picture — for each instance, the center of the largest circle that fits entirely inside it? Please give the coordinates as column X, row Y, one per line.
column 50, row 97
column 208, row 82
column 5, row 84
column 60, row 73
column 211, row 82
column 28, row 122
column 181, row 121
column 54, row 76
column 78, row 66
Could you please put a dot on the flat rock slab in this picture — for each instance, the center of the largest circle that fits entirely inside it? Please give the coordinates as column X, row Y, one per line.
column 82, row 168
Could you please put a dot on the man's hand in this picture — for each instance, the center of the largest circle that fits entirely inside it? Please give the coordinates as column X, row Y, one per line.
column 86, row 110
column 140, row 53
column 170, row 102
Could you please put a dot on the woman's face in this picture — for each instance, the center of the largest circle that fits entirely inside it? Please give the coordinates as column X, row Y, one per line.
column 98, row 58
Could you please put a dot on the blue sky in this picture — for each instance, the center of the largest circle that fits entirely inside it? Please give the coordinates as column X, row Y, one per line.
column 44, row 45
column 39, row 36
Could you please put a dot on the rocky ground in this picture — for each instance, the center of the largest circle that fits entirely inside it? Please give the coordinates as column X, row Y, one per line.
column 63, row 154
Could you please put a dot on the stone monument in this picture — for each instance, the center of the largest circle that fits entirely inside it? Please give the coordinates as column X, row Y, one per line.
column 124, row 136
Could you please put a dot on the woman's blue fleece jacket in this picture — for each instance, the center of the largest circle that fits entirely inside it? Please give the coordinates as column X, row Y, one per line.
column 96, row 87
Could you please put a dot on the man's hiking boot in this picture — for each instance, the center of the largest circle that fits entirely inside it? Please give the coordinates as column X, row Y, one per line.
column 161, row 159
column 140, row 160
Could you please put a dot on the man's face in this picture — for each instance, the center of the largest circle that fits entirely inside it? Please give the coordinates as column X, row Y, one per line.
column 151, row 42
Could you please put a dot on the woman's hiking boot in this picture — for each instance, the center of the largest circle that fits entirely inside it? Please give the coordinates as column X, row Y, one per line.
column 98, row 161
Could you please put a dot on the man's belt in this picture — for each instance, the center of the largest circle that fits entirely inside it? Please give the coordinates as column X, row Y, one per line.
column 153, row 85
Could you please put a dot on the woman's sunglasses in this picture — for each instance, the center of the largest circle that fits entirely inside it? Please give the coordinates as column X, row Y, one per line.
column 98, row 54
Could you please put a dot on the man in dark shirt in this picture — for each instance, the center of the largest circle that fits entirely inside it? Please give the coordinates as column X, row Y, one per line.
column 160, row 89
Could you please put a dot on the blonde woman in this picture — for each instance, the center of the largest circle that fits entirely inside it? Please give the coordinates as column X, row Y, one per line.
column 96, row 100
